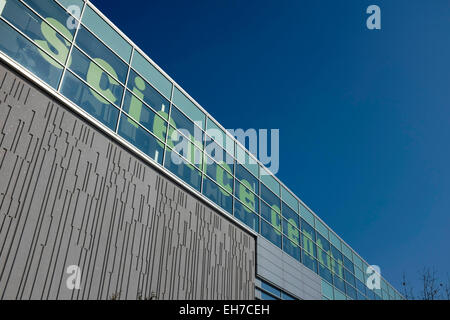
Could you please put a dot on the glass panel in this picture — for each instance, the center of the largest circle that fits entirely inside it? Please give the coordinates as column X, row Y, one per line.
column 271, row 199
column 218, row 154
column 246, row 215
column 320, row 227
column 325, row 273
column 151, row 74
column 285, row 296
column 271, row 215
column 265, row 296
column 347, row 251
column 244, row 158
column 219, row 174
column 361, row 287
column 360, row 296
column 68, row 3
column 96, row 78
column 384, row 285
column 54, row 15
column 339, row 283
column 270, row 233
column 306, row 214
column 269, row 181
column 327, row 290
column 336, row 254
column 187, row 127
column 323, row 258
column 182, row 145
column 101, row 54
column 145, row 92
column 105, row 32
column 181, row 168
column 308, row 230
column 189, row 108
column 147, row 117
column 335, row 241
column 291, row 232
column 217, row 194
column 348, row 264
column 322, row 242
column 79, row 93
column 29, row 56
column 309, row 261
column 220, row 136
column 290, row 215
column 271, row 289
column 337, row 268
column 291, row 248
column 351, row 292
column 339, row 295
column 142, row 139
column 287, row 197
column 52, row 42
column 349, row 277
column 247, row 178
column 359, row 274
column 308, row 245
column 243, row 193
column 357, row 261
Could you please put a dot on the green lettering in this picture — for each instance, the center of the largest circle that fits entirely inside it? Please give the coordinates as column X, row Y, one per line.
column 136, row 104
column 275, row 219
column 292, row 232
column 51, row 39
column 246, row 196
column 94, row 76
column 220, row 172
column 308, row 244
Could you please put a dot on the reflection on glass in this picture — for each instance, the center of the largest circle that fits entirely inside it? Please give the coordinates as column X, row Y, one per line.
column 147, row 117
column 145, row 92
column 243, row 193
column 142, row 139
column 291, row 232
column 291, row 248
column 110, row 90
column 325, row 273
column 187, row 127
column 219, row 173
column 309, row 261
column 270, row 198
column 181, row 168
column 55, row 15
column 217, row 194
column 99, row 52
column 246, row 216
column 269, row 232
column 29, row 56
column 52, row 42
column 79, row 93
column 247, row 178
column 271, row 215
column 290, row 215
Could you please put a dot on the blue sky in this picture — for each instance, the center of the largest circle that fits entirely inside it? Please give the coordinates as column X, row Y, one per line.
column 363, row 115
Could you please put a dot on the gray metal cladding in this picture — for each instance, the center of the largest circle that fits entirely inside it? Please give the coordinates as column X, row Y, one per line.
column 71, row 195
column 284, row 271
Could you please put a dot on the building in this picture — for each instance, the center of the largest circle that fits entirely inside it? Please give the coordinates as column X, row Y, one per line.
column 92, row 203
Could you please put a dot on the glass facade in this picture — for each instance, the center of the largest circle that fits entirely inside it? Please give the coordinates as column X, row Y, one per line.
column 87, row 60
